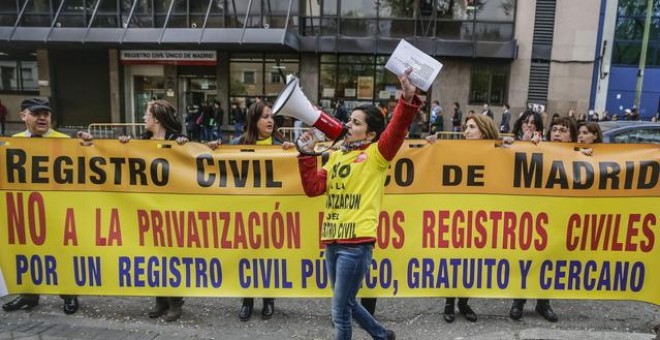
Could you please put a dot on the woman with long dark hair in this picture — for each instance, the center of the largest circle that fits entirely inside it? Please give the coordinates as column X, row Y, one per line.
column 260, row 129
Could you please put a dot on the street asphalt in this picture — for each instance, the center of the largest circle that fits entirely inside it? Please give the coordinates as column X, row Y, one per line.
column 217, row 318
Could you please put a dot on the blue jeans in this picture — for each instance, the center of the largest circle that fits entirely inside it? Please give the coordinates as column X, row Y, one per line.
column 347, row 267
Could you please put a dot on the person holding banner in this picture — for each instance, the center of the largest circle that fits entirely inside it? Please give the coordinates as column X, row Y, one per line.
column 36, row 113
column 563, row 130
column 476, row 127
column 589, row 133
column 260, row 129
column 161, row 122
column 529, row 127
column 357, row 173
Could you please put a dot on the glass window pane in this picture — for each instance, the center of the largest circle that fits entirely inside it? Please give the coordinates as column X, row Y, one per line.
column 75, row 13
column 200, row 6
column 249, row 77
column 329, row 26
column 653, row 57
column 454, row 30
column 236, row 14
column 396, row 9
column 386, row 81
column 454, row 9
column 275, row 13
column 651, row 136
column 479, row 83
column 626, row 53
column 355, row 59
column 495, row 10
column 38, row 13
column 160, row 11
column 346, row 81
column 494, row 31
column 425, row 26
column 396, row 28
column 179, row 16
column 637, row 7
column 358, row 9
column 329, row 7
column 489, row 85
column 359, row 27
column 328, row 75
column 10, row 6
column 8, row 13
column 8, row 75
column 29, row 75
column 629, row 28
column 106, row 15
column 498, row 89
column 216, row 15
column 277, row 70
column 143, row 16
column 328, row 58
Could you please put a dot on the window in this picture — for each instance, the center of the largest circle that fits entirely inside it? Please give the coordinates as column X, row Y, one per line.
column 357, row 79
column 629, row 30
column 275, row 77
column 489, row 85
column 249, row 77
column 18, row 76
column 254, row 76
column 637, row 135
column 8, row 13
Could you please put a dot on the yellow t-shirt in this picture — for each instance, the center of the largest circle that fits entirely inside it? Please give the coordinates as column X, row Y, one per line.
column 267, row 141
column 355, row 187
column 49, row 134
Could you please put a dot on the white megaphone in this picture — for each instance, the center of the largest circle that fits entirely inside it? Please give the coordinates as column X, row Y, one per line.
column 292, row 102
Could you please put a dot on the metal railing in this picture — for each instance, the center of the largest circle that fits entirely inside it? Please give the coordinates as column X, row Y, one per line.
column 290, row 133
column 114, row 130
column 459, row 135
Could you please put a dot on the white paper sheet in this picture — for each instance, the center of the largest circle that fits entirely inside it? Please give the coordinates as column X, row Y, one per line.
column 425, row 67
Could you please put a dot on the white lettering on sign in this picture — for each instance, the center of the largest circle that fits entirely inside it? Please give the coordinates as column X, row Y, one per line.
column 178, row 56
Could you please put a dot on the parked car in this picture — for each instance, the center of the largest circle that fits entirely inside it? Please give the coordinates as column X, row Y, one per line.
column 622, row 131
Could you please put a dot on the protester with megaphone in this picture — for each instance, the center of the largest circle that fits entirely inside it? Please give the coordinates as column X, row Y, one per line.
column 292, row 102
column 356, row 174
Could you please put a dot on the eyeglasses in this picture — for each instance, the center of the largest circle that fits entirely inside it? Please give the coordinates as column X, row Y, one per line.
column 561, row 129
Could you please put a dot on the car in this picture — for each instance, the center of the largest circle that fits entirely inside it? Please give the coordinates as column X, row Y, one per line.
column 625, row 132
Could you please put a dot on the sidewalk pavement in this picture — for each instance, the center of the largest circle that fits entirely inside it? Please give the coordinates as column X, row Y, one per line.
column 119, row 318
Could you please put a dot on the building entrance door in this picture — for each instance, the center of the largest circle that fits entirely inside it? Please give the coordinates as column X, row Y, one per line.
column 199, row 91
column 146, row 88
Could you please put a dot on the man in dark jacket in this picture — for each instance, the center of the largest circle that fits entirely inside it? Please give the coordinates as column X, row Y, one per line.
column 488, row 112
column 457, row 118
column 506, row 119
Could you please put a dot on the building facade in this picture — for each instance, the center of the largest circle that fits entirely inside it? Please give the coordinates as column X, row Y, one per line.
column 621, row 29
column 99, row 61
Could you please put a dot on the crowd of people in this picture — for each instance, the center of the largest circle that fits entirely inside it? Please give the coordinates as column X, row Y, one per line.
column 373, row 139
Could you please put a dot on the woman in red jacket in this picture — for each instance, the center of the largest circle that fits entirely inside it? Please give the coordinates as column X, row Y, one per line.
column 357, row 174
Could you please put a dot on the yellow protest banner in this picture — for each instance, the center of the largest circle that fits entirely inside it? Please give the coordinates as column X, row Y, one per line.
column 460, row 218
